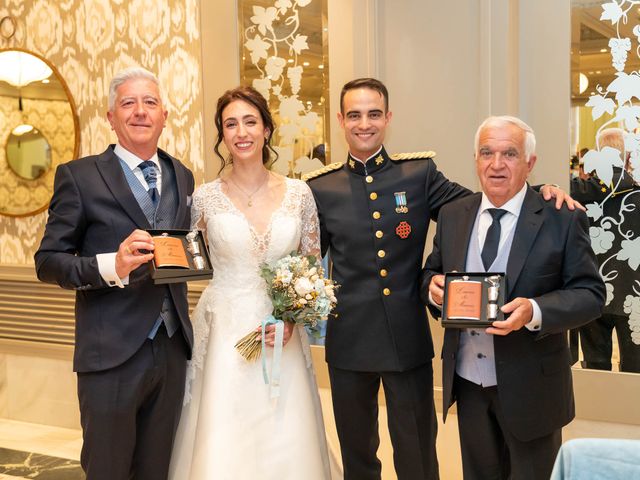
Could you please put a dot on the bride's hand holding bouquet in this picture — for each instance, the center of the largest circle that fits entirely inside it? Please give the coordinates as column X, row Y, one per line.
column 299, row 294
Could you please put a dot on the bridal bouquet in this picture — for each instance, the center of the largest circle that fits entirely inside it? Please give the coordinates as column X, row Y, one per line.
column 299, row 294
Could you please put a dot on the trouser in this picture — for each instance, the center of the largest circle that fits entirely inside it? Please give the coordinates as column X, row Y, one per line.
column 411, row 420
column 596, row 341
column 489, row 450
column 129, row 413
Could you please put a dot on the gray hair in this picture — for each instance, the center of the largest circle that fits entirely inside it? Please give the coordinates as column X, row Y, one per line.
column 129, row 74
column 504, row 120
column 611, row 137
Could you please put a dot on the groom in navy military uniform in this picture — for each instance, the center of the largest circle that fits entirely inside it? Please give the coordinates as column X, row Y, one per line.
column 512, row 381
column 133, row 337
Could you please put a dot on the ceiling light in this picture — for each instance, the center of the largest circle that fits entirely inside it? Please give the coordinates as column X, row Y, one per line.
column 583, row 82
column 20, row 68
column 46, row 80
column 321, row 66
column 603, row 50
column 305, row 64
column 22, row 129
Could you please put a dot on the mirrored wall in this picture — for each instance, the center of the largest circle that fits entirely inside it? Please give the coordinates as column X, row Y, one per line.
column 284, row 55
column 605, row 170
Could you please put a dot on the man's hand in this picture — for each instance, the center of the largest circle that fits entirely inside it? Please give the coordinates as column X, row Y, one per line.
column 521, row 312
column 131, row 253
column 551, row 191
column 436, row 288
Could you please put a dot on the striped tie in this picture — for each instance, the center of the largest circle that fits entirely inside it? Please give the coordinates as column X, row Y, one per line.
column 150, row 172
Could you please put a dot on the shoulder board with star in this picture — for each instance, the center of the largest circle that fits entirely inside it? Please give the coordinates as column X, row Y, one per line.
column 413, row 155
column 332, row 167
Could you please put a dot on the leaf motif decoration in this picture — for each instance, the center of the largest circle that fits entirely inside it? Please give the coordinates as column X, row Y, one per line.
column 600, row 105
column 603, row 161
column 625, row 86
column 612, row 12
column 630, row 251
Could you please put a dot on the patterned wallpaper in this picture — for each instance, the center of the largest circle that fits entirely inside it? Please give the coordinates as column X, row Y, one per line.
column 89, row 41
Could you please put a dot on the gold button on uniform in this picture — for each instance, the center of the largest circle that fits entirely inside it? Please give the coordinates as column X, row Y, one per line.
column 376, row 215
column 373, row 195
column 368, row 179
column 381, row 253
column 379, row 234
column 383, row 272
column 386, row 291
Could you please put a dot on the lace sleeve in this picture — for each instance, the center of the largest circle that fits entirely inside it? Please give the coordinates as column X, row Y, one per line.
column 310, row 237
column 197, row 212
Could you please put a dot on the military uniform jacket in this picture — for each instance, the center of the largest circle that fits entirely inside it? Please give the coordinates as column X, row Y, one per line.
column 374, row 220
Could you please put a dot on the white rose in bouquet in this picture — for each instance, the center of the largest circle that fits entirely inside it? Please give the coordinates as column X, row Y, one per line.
column 303, row 286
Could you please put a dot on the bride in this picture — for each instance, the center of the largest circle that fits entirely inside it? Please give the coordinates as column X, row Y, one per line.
column 230, row 427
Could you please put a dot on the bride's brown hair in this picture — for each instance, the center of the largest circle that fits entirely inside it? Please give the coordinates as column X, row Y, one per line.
column 255, row 99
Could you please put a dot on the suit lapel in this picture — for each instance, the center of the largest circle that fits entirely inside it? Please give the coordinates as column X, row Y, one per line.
column 529, row 223
column 110, row 169
column 181, row 184
column 461, row 236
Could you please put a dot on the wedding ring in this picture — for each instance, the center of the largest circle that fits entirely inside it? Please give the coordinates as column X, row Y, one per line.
column 129, row 250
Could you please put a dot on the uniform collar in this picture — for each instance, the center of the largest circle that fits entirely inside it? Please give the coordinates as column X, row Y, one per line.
column 374, row 163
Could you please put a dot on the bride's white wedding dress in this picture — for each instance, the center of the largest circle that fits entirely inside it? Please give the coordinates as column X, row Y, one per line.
column 230, row 427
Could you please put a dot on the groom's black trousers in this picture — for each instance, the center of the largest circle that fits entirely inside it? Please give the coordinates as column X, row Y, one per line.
column 130, row 413
column 411, row 418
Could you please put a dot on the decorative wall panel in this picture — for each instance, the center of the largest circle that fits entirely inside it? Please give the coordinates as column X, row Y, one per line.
column 89, row 41
column 284, row 55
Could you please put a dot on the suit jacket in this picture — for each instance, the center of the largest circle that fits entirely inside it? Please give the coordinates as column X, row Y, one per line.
column 380, row 323
column 92, row 211
column 551, row 261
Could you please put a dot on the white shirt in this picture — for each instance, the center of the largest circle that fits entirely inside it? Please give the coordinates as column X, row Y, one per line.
column 107, row 261
column 507, row 223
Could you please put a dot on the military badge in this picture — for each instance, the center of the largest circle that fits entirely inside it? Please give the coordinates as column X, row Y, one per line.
column 403, row 230
column 401, row 202
column 379, row 160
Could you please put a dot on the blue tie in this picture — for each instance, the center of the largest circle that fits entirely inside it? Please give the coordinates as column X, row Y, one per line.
column 150, row 173
column 492, row 240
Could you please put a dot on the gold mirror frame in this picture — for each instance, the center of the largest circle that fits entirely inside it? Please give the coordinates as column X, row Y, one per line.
column 16, row 185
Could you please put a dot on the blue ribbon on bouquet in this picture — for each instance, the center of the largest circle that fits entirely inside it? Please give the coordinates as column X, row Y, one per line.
column 277, row 355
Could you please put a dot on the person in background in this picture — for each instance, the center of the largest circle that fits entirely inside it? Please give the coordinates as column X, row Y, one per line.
column 619, row 200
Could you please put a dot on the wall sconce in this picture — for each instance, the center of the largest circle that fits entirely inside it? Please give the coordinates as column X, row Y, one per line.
column 583, row 82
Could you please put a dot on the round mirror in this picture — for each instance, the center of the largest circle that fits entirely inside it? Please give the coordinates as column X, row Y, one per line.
column 28, row 152
column 38, row 131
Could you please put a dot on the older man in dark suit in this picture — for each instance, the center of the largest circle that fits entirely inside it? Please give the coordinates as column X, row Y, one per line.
column 512, row 381
column 133, row 337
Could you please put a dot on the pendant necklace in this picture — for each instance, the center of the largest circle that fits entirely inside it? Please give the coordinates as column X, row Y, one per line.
column 250, row 195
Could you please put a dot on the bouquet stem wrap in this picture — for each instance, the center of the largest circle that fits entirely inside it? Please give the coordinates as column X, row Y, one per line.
column 274, row 385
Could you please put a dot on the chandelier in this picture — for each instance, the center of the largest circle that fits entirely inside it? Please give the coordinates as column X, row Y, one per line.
column 20, row 69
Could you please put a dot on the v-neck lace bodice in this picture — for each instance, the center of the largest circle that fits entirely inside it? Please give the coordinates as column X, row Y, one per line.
column 235, row 245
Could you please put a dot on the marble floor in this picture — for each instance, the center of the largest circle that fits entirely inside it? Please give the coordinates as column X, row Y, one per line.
column 33, row 451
